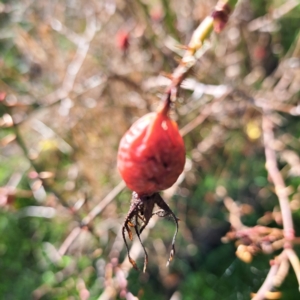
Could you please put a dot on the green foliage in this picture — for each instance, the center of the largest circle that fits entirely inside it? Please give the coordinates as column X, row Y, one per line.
column 18, row 249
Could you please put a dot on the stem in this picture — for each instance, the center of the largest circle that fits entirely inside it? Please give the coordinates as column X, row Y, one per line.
column 269, row 281
column 218, row 18
column 280, row 188
column 294, row 260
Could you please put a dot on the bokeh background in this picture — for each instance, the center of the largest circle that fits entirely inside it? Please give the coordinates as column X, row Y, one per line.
column 74, row 76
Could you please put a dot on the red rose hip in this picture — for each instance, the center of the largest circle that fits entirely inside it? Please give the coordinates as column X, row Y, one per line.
column 151, row 154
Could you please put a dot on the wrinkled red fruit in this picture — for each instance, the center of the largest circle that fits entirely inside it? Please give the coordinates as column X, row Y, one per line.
column 151, row 154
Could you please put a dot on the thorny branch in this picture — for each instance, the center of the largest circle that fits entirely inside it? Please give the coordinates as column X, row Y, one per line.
column 217, row 21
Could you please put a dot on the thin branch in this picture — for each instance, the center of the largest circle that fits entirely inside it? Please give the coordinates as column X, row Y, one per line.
column 216, row 21
column 69, row 241
column 205, row 112
column 91, row 216
column 102, row 204
column 280, row 188
column 33, row 164
column 282, row 273
column 294, row 260
column 83, row 45
column 268, row 19
column 269, row 281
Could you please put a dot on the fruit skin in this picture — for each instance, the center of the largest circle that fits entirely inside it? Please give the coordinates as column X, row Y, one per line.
column 151, row 154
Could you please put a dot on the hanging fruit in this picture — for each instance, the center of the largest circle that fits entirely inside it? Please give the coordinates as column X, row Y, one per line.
column 151, row 157
column 151, row 154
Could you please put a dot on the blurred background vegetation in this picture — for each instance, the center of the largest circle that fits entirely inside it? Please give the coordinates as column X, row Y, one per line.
column 74, row 76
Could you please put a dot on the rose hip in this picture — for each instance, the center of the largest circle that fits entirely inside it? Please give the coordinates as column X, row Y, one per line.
column 151, row 156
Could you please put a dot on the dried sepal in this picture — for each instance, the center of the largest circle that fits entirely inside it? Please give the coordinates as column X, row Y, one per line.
column 141, row 209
